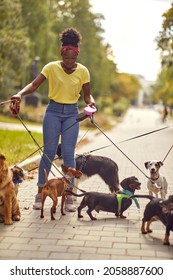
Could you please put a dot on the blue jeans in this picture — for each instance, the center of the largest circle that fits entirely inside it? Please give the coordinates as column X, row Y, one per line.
column 58, row 118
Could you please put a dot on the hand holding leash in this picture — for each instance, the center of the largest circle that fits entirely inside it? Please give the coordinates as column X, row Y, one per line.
column 90, row 110
column 87, row 112
column 15, row 103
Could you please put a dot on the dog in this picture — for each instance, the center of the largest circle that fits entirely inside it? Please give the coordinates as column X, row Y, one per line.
column 55, row 188
column 18, row 176
column 160, row 185
column 115, row 203
column 9, row 207
column 91, row 165
column 158, row 209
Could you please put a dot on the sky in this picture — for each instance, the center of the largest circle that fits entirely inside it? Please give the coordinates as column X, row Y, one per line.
column 131, row 27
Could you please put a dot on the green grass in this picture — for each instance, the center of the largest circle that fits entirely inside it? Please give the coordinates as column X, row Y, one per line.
column 17, row 145
column 6, row 119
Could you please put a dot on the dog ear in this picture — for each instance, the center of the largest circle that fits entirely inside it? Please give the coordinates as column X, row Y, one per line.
column 146, row 164
column 2, row 157
column 78, row 173
column 64, row 168
column 160, row 163
column 124, row 183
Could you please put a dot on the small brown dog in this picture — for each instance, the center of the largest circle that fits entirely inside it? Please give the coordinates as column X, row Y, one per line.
column 9, row 207
column 55, row 188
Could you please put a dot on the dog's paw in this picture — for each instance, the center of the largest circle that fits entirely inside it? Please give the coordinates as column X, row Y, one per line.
column 80, row 216
column 16, row 218
column 165, row 242
column 122, row 216
column 1, row 220
column 8, row 223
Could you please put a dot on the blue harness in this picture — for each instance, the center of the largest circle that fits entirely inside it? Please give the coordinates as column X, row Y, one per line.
column 17, row 181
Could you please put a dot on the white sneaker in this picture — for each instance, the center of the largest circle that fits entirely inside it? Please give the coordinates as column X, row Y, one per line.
column 38, row 202
column 69, row 206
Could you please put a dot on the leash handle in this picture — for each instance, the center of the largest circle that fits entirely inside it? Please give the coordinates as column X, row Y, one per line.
column 15, row 106
column 89, row 111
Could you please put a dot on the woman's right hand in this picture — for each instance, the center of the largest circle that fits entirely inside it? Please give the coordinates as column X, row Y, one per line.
column 17, row 97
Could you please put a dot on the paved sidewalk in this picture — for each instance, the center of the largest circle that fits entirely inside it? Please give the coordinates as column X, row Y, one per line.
column 107, row 238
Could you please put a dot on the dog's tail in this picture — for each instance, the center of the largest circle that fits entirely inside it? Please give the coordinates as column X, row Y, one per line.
column 143, row 196
column 46, row 176
column 82, row 194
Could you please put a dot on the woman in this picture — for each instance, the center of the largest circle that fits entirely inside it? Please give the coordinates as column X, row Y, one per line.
column 66, row 79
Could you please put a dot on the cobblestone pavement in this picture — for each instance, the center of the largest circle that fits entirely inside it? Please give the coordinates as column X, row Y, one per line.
column 107, row 238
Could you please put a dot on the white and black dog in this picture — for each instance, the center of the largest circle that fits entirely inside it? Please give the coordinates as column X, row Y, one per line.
column 160, row 184
column 91, row 165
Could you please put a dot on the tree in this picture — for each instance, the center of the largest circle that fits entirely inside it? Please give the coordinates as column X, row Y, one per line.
column 163, row 90
column 14, row 46
column 165, row 38
column 94, row 53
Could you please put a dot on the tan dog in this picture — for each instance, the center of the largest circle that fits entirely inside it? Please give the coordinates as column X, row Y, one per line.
column 9, row 207
column 160, row 184
column 55, row 188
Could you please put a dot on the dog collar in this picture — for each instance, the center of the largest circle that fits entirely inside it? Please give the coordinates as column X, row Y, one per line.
column 155, row 179
column 17, row 181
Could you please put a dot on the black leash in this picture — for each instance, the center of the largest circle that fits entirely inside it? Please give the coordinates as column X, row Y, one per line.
column 132, row 138
column 14, row 107
column 92, row 121
column 39, row 148
column 80, row 117
column 167, row 153
column 71, row 183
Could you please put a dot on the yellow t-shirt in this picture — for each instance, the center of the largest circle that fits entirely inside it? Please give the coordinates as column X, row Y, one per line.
column 65, row 88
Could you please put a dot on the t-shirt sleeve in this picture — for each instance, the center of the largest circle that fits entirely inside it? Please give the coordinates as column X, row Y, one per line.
column 45, row 70
column 86, row 76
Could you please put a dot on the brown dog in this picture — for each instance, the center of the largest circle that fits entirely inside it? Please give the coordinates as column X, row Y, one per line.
column 9, row 207
column 55, row 188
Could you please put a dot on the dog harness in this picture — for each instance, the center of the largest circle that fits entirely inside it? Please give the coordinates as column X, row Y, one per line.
column 125, row 194
column 19, row 181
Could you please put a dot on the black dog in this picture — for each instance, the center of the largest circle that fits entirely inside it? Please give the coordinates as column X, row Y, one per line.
column 18, row 176
column 158, row 209
column 115, row 203
column 90, row 165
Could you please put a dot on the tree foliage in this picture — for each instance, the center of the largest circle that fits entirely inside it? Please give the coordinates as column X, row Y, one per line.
column 14, row 46
column 163, row 90
column 30, row 28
